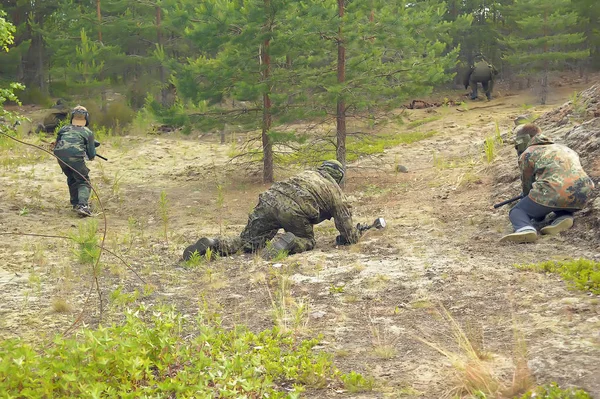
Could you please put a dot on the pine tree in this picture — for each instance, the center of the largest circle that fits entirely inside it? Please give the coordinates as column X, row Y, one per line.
column 589, row 13
column 238, row 40
column 365, row 56
column 6, row 94
column 543, row 38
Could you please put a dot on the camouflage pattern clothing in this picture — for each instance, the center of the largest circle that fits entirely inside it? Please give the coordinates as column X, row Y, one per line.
column 58, row 113
column 552, row 176
column 73, row 143
column 482, row 72
column 295, row 205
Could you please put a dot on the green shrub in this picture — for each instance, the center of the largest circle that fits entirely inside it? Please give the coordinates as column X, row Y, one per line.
column 552, row 391
column 33, row 95
column 157, row 352
column 582, row 274
column 355, row 382
column 172, row 116
column 356, row 146
column 60, row 89
column 118, row 115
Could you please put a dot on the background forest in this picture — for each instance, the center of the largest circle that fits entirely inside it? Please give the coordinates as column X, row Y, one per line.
column 429, row 307
column 262, row 64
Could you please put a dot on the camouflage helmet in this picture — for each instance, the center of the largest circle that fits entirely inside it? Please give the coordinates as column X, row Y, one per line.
column 80, row 116
column 334, row 168
column 524, row 134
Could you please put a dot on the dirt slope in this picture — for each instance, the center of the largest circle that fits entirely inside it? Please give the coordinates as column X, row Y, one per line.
column 370, row 301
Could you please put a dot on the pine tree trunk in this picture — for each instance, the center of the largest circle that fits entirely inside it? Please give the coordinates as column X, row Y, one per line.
column 340, row 151
column 161, row 69
column 40, row 65
column 267, row 145
column 544, row 86
column 99, row 16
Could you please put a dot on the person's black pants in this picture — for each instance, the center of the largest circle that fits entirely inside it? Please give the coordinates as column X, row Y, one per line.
column 520, row 216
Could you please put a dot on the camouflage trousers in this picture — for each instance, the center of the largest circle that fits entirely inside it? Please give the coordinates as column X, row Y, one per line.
column 488, row 86
column 79, row 188
column 263, row 223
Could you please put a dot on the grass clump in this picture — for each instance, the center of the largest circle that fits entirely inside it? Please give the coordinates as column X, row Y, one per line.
column 356, row 147
column 474, row 372
column 553, row 391
column 158, row 352
column 421, row 122
column 59, row 305
column 581, row 274
column 355, row 382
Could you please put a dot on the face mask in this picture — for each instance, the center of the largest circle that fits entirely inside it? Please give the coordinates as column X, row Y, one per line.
column 521, row 144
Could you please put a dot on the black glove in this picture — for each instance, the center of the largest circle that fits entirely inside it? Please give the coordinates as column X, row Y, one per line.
column 96, row 143
column 362, row 227
column 341, row 240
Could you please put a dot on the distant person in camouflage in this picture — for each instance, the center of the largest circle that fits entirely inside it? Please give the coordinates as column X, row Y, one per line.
column 73, row 143
column 294, row 205
column 58, row 113
column 484, row 73
column 553, row 181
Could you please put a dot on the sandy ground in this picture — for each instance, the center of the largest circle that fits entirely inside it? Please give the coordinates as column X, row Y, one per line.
column 370, row 302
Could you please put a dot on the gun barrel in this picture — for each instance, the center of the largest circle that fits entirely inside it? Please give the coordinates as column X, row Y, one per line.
column 101, row 157
column 508, row 201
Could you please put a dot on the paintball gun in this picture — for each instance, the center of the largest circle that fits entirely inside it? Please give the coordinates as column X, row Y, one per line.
column 508, row 201
column 378, row 224
column 97, row 144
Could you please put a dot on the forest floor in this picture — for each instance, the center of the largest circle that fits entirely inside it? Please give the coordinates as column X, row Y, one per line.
column 374, row 303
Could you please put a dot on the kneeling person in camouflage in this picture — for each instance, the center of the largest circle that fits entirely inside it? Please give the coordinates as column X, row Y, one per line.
column 294, row 205
column 73, row 143
column 553, row 181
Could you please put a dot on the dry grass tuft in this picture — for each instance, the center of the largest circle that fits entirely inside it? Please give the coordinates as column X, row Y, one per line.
column 475, row 373
column 59, row 305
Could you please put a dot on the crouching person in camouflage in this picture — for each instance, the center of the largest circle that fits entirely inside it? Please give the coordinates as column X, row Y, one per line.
column 73, row 143
column 294, row 205
column 553, row 181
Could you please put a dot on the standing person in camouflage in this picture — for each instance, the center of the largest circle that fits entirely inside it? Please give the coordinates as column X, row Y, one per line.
column 482, row 72
column 73, row 143
column 553, row 181
column 295, row 205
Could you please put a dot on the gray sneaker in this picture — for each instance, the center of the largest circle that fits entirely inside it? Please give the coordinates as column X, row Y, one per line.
column 83, row 210
column 559, row 224
column 526, row 234
column 200, row 246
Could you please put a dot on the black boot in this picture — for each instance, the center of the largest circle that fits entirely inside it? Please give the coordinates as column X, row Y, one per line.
column 200, row 246
column 285, row 242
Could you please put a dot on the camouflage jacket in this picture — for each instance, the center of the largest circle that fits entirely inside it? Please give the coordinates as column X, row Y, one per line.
column 75, row 142
column 313, row 196
column 552, row 175
column 482, row 72
column 57, row 113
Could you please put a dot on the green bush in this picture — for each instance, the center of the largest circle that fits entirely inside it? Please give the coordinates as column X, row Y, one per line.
column 118, row 115
column 161, row 353
column 172, row 116
column 356, row 146
column 582, row 274
column 33, row 95
column 355, row 382
column 552, row 391
column 60, row 89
